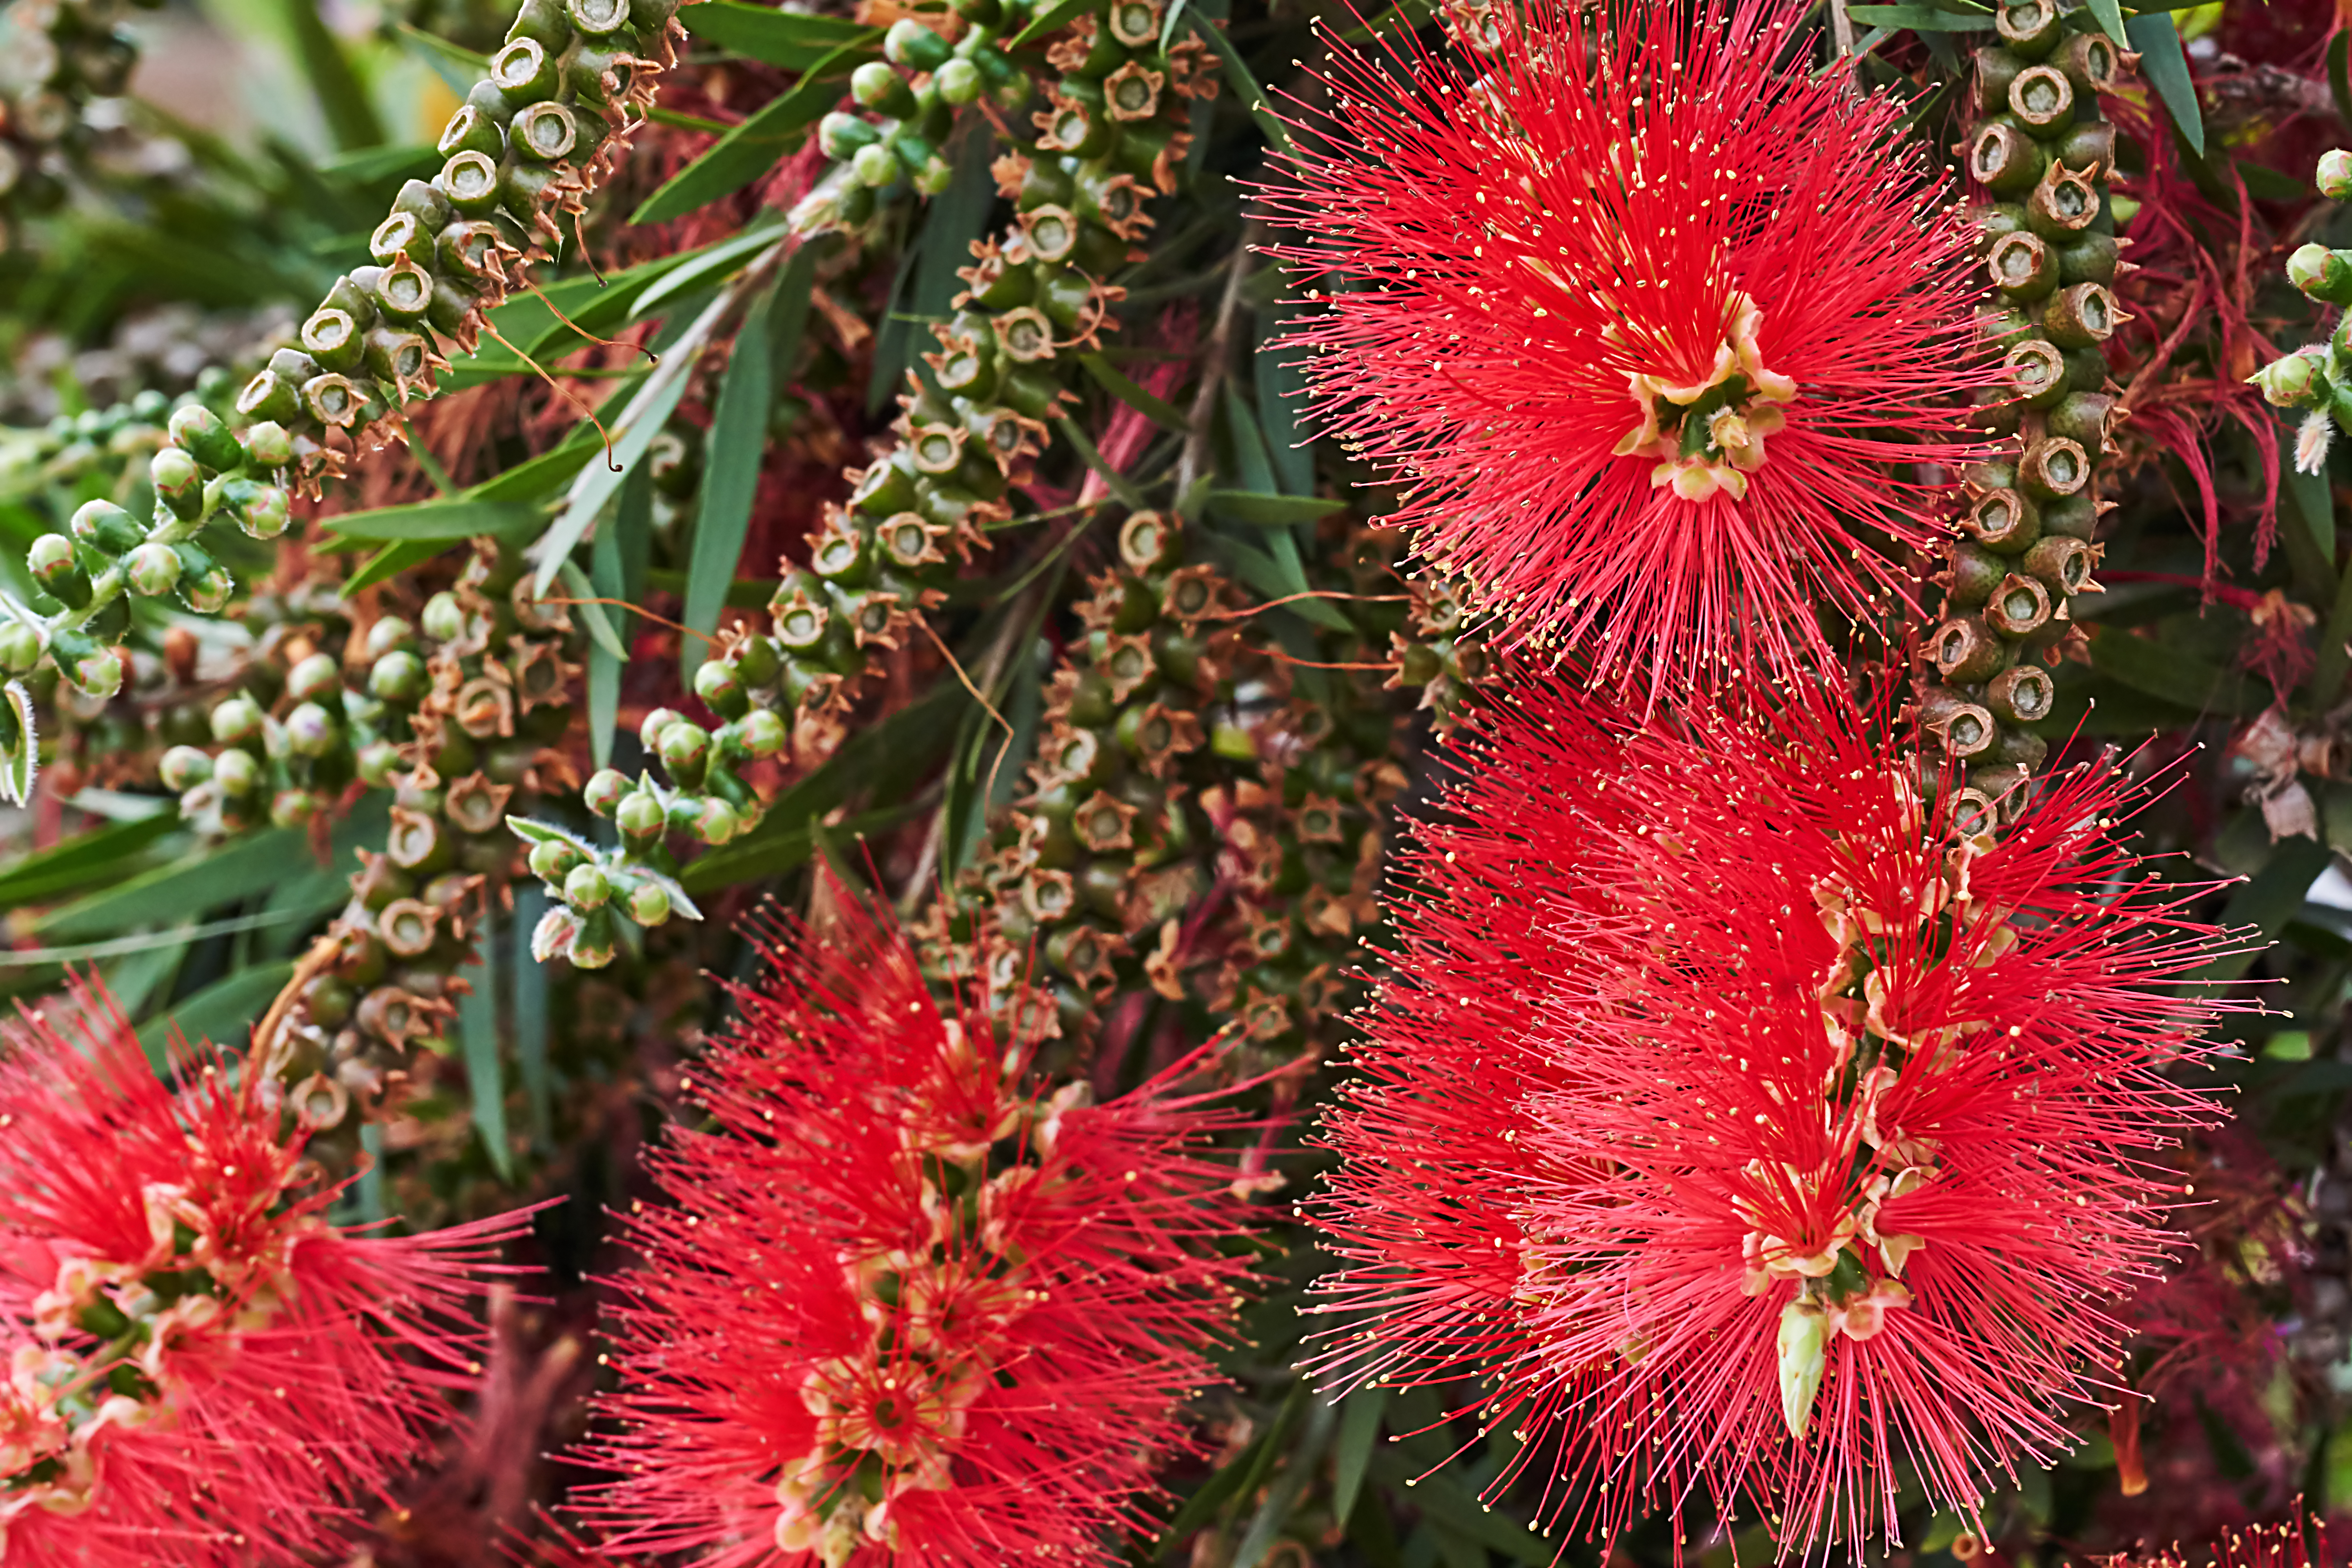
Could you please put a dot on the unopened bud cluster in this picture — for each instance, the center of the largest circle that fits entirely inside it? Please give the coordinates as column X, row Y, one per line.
column 908, row 102
column 2316, row 380
column 2044, row 153
column 85, row 578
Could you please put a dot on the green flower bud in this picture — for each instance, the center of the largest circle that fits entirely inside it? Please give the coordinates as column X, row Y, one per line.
column 238, row 773
column 293, row 808
column 376, row 763
column 96, row 669
column 716, row 822
column 184, row 767
column 604, row 791
column 2322, row 274
column 721, row 689
column 876, row 166
column 640, row 817
column 553, row 859
column 910, row 43
column 237, row 721
column 1803, row 1345
column 153, row 568
column 879, row 86
column 591, row 946
column 2334, row 177
column 959, row 82
column 20, row 646
column 586, row 888
column 387, row 633
column 179, row 483
column 199, row 431
column 313, row 678
column 311, row 730
column 842, row 135
column 649, row 734
column 106, row 528
column 685, row 747
column 51, row 560
column 762, row 733
column 649, row 905
column 554, row 934
column 398, row 676
column 444, row 618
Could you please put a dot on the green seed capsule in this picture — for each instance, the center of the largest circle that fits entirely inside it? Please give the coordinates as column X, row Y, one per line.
column 598, row 18
column 270, row 395
column 405, row 292
column 471, row 130
column 400, row 235
column 397, row 356
column 546, row 131
column 470, row 180
column 332, row 338
column 542, row 21
column 332, row 399
column 524, row 72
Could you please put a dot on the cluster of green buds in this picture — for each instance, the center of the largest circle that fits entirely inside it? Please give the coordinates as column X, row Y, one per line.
column 85, row 579
column 2043, row 154
column 704, row 798
column 1192, row 827
column 98, row 448
column 531, row 141
column 2316, row 380
column 908, row 102
column 62, row 54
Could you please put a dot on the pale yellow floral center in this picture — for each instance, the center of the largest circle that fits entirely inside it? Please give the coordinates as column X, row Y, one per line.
column 1708, row 436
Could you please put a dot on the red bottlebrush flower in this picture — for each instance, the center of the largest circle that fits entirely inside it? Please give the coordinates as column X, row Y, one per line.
column 1743, row 1132
column 1641, row 316
column 202, row 1371
column 908, row 1304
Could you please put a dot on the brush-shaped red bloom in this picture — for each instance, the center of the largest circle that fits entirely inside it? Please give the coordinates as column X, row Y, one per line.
column 908, row 1304
column 202, row 1371
column 1644, row 319
column 1744, row 1133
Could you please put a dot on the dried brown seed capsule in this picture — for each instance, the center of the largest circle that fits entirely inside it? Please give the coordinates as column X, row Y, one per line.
column 1966, row 651
column 2018, row 606
column 2003, row 520
column 2022, row 694
column 2061, row 563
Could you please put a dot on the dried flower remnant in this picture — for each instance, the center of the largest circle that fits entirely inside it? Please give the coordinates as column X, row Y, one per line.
column 1741, row 1128
column 907, row 1303
column 201, row 1368
column 1645, row 324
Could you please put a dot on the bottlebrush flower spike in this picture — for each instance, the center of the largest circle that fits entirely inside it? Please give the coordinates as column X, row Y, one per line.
column 1743, row 1132
column 201, row 1368
column 1643, row 318
column 908, row 1304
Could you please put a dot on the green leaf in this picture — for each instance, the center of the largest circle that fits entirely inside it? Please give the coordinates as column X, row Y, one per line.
column 1055, row 16
column 1918, row 18
column 2165, row 65
column 1119, row 483
column 478, row 1035
column 184, row 889
column 752, row 149
column 2181, row 679
column 365, row 168
column 789, row 40
column 1359, row 1429
column 18, row 767
column 1244, row 85
column 1113, row 381
column 391, row 561
column 224, row 1012
column 2269, row 899
column 349, row 114
column 2110, row 17
column 730, row 474
column 2310, row 506
column 102, row 854
column 710, row 264
column 1283, row 1495
column 2268, row 185
column 458, row 67
column 925, row 284
column 1282, row 400
column 445, row 520
column 1442, row 1499
column 1270, row 512
column 624, row 539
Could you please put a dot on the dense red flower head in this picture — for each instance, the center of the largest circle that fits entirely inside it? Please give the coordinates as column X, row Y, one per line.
column 1745, row 1133
column 908, row 1304
column 202, row 1371
column 1644, row 318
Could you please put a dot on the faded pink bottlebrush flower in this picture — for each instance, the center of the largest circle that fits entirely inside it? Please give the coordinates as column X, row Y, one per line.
column 1731, row 1129
column 907, row 1303
column 202, row 1371
column 1647, row 319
